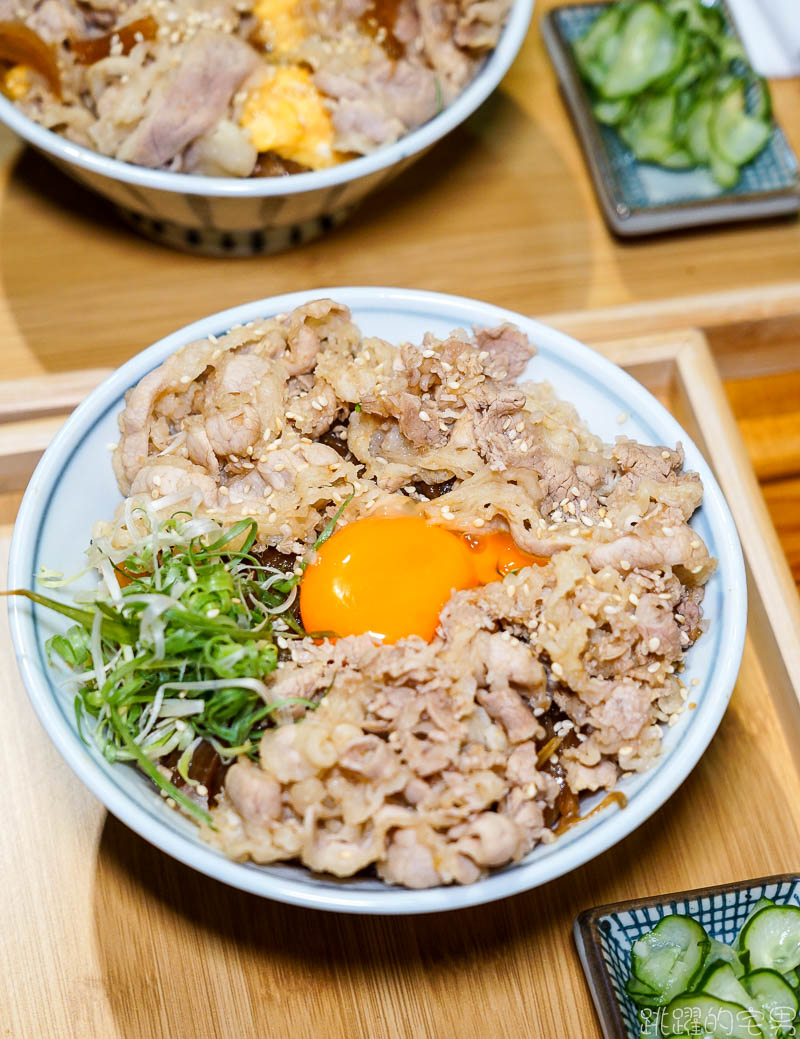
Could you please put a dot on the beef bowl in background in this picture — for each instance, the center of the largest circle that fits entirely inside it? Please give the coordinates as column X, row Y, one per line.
column 230, row 216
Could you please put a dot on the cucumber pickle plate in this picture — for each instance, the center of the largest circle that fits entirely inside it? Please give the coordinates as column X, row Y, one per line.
column 641, row 197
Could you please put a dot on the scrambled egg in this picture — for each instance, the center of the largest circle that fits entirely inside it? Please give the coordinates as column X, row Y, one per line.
column 281, row 28
column 285, row 113
column 16, row 82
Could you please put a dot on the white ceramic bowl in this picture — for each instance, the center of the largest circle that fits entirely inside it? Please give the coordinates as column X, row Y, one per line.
column 73, row 486
column 229, row 216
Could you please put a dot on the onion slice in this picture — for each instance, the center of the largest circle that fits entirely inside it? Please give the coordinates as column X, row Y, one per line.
column 87, row 52
column 20, row 45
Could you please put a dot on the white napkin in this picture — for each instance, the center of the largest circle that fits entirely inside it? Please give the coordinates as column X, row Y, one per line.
column 770, row 30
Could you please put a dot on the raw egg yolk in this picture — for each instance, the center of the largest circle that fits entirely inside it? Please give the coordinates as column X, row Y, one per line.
column 495, row 555
column 390, row 576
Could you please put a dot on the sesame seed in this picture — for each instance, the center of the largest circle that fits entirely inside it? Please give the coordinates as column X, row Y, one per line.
column 202, row 790
column 695, row 681
column 634, row 598
column 624, row 564
column 557, row 669
column 653, row 668
column 667, row 531
column 587, row 521
column 665, row 455
column 424, row 416
column 654, row 644
column 622, row 417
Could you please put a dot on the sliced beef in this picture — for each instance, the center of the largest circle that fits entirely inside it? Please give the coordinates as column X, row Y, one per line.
column 213, row 68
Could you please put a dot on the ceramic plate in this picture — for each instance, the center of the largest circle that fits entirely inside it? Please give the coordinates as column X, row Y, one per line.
column 73, row 486
column 640, row 198
column 604, row 936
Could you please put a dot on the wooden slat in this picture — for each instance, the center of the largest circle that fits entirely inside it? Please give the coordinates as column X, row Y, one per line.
column 21, row 446
column 783, row 500
column 54, row 394
column 752, row 331
column 768, row 413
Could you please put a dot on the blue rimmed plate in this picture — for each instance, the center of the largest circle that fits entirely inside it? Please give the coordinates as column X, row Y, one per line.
column 639, row 198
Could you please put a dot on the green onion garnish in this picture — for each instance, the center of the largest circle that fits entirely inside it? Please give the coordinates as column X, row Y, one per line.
column 174, row 646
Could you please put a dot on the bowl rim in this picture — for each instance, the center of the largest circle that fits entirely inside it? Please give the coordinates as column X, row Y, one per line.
column 559, row 858
column 477, row 91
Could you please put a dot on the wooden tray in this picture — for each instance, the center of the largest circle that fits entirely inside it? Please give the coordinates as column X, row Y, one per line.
column 104, row 936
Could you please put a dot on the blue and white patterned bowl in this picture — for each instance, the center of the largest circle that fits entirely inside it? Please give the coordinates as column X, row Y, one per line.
column 230, row 216
column 605, row 935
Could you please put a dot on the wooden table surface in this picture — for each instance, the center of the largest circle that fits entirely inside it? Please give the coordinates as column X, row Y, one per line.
column 502, row 210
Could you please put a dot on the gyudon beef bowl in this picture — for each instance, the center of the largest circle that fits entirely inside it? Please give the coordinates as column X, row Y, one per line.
column 246, row 126
column 385, row 610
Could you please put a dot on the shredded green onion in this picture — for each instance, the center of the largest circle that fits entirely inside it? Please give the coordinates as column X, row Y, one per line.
column 174, row 646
